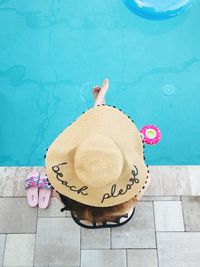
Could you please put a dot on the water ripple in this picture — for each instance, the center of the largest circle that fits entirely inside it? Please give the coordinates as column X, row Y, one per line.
column 166, row 70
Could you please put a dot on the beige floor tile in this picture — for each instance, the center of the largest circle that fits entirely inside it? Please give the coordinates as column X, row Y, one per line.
column 16, row 216
column 19, row 250
column 191, row 212
column 169, row 181
column 175, row 180
column 2, row 247
column 12, row 180
column 139, row 232
column 166, row 180
column 53, row 210
column 194, row 177
column 57, row 243
column 168, row 216
column 95, row 239
column 103, row 258
column 179, row 249
column 142, row 258
column 155, row 188
column 6, row 181
column 183, row 185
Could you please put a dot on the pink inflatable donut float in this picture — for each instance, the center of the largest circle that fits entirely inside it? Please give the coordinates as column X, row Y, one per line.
column 151, row 134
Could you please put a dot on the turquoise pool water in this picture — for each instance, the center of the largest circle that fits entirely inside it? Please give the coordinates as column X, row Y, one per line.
column 53, row 52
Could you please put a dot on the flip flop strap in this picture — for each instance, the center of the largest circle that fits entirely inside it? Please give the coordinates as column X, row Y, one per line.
column 31, row 181
column 44, row 183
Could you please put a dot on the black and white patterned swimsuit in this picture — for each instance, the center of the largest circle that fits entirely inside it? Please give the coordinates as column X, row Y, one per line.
column 118, row 221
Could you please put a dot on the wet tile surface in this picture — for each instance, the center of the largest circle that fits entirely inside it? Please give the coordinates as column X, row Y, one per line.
column 140, row 257
column 183, row 251
column 16, row 216
column 168, row 216
column 99, row 258
column 57, row 243
column 194, row 177
column 12, row 180
column 19, row 250
column 139, row 231
column 191, row 211
column 184, row 180
column 170, row 181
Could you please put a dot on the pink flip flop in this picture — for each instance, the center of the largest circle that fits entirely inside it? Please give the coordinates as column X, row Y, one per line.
column 31, row 186
column 44, row 191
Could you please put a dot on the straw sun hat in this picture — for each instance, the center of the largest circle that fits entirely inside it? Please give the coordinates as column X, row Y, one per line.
column 98, row 160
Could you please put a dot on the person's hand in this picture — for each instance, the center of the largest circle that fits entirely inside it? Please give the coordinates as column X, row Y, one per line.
column 99, row 93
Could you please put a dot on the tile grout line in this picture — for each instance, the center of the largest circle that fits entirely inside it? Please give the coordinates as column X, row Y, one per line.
column 179, row 232
column 126, row 257
column 35, row 237
column 155, row 233
column 145, row 199
column 111, row 238
column 183, row 213
column 120, row 248
column 80, row 244
column 18, row 233
column 4, row 249
column 167, row 198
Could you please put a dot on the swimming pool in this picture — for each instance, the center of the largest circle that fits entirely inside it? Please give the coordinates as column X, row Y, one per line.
column 53, row 52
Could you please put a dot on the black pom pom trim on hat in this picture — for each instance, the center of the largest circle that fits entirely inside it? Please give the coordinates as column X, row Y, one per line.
column 49, row 182
column 131, row 121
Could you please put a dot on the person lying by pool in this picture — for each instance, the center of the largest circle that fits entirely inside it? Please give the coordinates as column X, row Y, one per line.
column 96, row 165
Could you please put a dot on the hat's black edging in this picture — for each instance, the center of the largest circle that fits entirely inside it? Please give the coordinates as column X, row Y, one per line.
column 140, row 136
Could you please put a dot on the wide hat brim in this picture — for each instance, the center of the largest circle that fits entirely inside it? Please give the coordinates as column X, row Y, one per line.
column 109, row 121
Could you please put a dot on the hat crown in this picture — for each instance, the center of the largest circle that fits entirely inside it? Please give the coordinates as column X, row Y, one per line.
column 98, row 161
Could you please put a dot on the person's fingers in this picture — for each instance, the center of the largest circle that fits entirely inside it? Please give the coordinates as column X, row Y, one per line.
column 104, row 89
column 96, row 91
column 106, row 82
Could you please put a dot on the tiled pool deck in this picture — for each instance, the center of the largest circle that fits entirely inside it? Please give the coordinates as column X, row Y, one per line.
column 164, row 232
